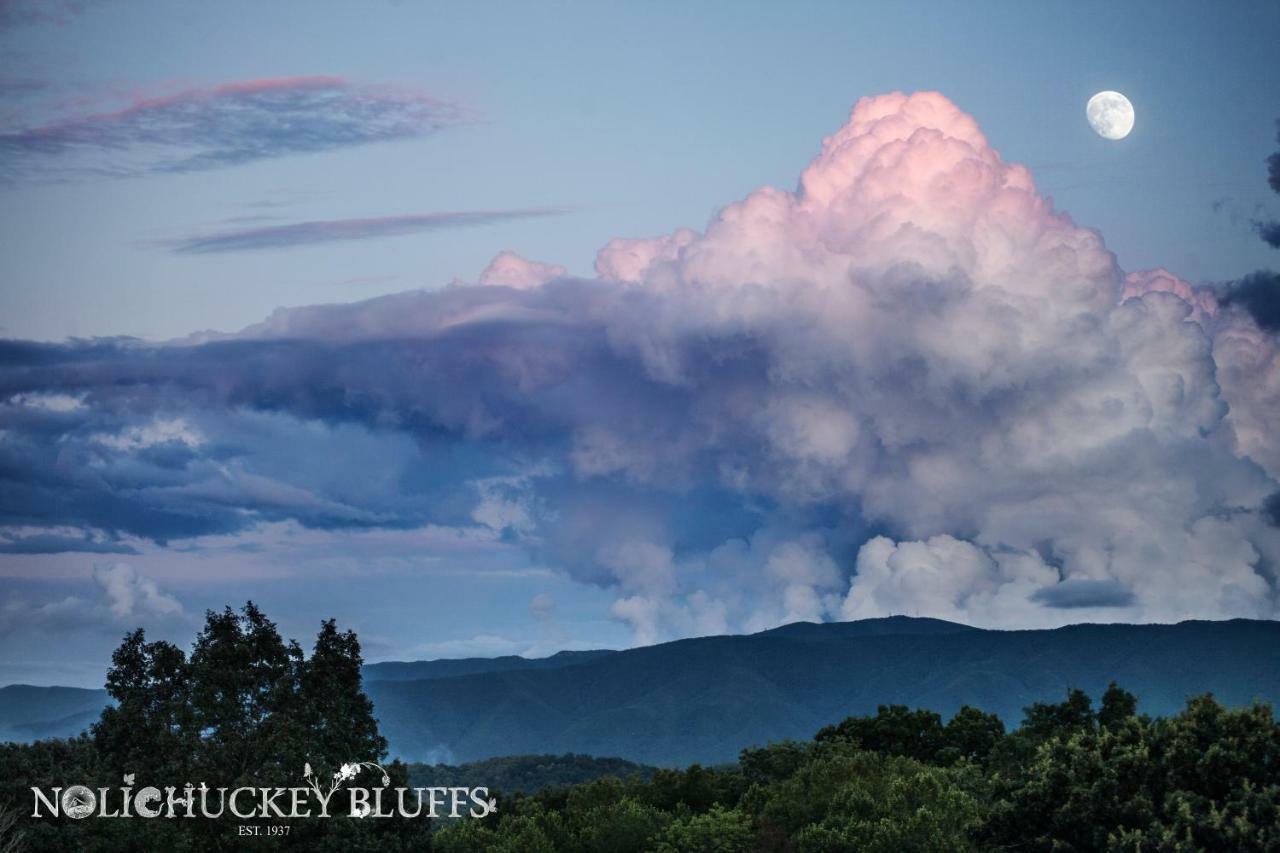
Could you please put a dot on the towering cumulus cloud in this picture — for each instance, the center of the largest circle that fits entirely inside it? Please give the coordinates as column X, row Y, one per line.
column 909, row 386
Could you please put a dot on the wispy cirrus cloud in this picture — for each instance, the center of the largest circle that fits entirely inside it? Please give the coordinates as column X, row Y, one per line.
column 12, row 87
column 208, row 128
column 337, row 230
column 17, row 13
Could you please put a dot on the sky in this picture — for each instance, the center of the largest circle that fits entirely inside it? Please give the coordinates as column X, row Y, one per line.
column 495, row 328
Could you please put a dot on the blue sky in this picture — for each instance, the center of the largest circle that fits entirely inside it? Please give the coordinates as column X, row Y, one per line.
column 358, row 150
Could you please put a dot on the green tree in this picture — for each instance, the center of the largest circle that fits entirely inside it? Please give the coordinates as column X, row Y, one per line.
column 1206, row 779
column 1219, row 781
column 720, row 830
column 150, row 729
column 625, row 826
column 48, row 764
column 519, row 834
column 11, row 834
column 695, row 789
column 337, row 715
column 245, row 708
column 924, row 811
column 851, row 800
column 244, row 696
column 1117, row 707
column 774, row 762
column 1044, row 720
column 972, row 734
column 894, row 730
column 1078, row 791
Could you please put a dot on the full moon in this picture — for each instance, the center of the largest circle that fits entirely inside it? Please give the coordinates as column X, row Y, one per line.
column 1110, row 114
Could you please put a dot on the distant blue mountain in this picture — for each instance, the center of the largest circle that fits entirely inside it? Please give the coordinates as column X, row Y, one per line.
column 704, row 699
column 35, row 713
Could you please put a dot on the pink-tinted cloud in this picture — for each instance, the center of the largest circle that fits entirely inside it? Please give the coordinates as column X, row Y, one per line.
column 1201, row 300
column 630, row 260
column 510, row 270
column 225, row 125
column 1246, row 352
column 914, row 343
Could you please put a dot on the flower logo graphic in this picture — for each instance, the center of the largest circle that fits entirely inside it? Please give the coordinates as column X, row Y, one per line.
column 344, row 774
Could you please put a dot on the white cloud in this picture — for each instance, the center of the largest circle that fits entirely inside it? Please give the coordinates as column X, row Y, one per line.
column 119, row 598
column 633, row 260
column 510, row 270
column 947, row 578
column 133, row 596
column 51, row 402
column 913, row 342
column 158, row 431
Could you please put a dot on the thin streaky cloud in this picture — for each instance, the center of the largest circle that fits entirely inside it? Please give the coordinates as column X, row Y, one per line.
column 337, row 230
column 14, row 87
column 17, row 13
column 208, row 128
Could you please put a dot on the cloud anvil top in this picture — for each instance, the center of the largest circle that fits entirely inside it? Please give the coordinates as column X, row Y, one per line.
column 911, row 385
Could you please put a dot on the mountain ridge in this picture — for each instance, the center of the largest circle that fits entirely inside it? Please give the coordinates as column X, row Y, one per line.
column 704, row 698
column 450, row 667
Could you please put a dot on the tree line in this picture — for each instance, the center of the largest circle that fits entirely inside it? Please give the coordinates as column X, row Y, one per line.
column 1072, row 777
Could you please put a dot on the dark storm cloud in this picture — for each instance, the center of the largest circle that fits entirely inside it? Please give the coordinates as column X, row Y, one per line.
column 45, row 481
column 1273, row 164
column 455, row 392
column 1269, row 232
column 199, row 129
column 336, row 230
column 48, row 543
column 1072, row 593
column 1259, row 294
column 466, row 363
column 1271, row 509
